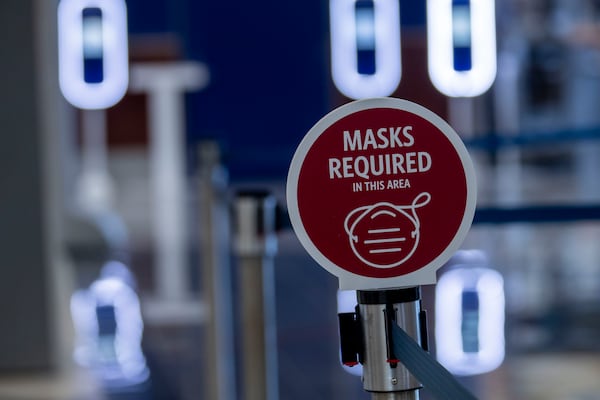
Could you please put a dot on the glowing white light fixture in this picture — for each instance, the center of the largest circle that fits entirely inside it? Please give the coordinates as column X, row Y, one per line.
column 461, row 28
column 378, row 32
column 92, row 34
column 109, row 329
column 469, row 320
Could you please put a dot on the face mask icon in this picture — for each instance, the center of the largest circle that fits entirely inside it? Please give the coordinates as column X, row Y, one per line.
column 385, row 235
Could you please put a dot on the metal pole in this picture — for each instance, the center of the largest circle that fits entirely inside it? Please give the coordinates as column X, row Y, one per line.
column 216, row 276
column 256, row 245
column 383, row 374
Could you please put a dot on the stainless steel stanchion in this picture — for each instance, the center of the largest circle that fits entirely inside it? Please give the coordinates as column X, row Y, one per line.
column 256, row 245
column 216, row 276
column 367, row 338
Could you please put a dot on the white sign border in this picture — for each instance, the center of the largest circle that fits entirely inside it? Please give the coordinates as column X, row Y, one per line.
column 348, row 280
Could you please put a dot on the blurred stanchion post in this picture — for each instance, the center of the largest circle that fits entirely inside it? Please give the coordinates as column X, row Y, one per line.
column 216, row 275
column 256, row 246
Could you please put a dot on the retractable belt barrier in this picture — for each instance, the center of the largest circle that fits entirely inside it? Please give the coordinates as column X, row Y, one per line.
column 387, row 334
column 426, row 369
column 366, row 190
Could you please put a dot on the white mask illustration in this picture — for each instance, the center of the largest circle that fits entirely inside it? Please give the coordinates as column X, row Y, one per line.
column 385, row 235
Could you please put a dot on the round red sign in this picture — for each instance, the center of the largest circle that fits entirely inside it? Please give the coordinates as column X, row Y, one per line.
column 381, row 192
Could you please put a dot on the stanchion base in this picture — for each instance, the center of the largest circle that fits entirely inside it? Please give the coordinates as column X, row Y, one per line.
column 407, row 395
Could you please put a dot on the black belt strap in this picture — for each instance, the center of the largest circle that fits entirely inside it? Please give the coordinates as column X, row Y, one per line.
column 426, row 369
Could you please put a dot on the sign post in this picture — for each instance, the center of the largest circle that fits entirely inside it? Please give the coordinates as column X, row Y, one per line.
column 381, row 192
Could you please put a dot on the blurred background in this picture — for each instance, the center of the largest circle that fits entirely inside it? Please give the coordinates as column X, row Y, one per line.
column 143, row 195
